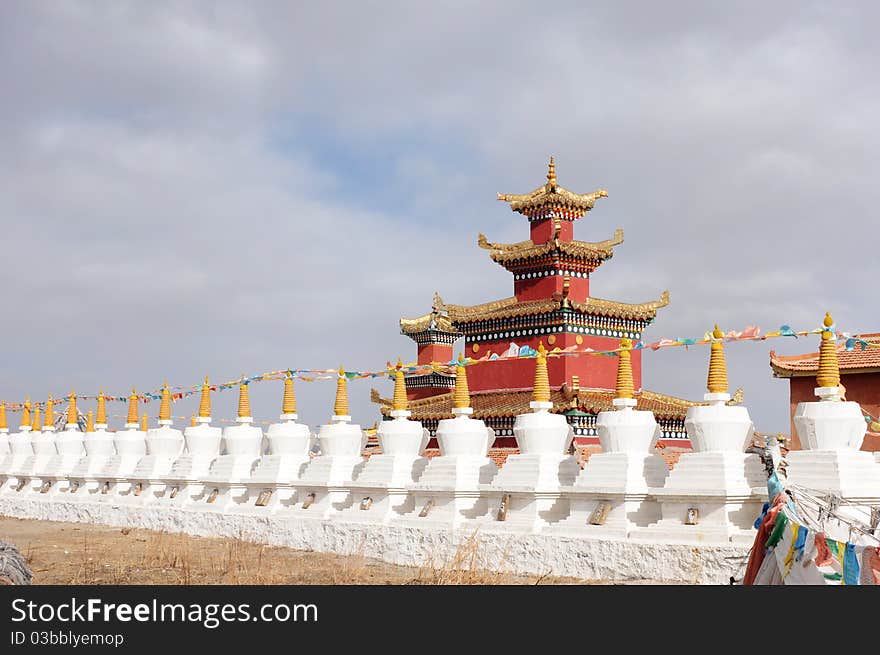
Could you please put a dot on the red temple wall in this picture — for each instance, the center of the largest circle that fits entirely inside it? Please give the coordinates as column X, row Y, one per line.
column 593, row 370
column 434, row 352
column 543, row 288
column 542, row 231
column 863, row 388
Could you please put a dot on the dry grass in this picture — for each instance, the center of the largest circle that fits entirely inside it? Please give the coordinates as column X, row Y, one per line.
column 68, row 553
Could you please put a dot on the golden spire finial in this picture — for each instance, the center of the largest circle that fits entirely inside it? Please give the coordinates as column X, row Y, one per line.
column 102, row 409
column 244, row 400
column 50, row 412
column 288, row 400
column 144, row 424
column 340, row 407
column 36, row 426
column 90, row 422
column 717, row 379
column 3, row 424
column 132, row 407
column 72, row 413
column 551, row 172
column 165, row 405
column 205, row 401
column 541, row 391
column 625, row 387
column 462, row 396
column 400, row 401
column 192, row 421
column 828, row 374
column 26, row 413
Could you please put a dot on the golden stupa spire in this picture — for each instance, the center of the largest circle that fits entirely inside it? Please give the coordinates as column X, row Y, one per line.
column 205, row 401
column 400, row 403
column 36, row 426
column 244, row 400
column 192, row 421
column 288, row 400
column 26, row 413
column 72, row 413
column 3, row 424
column 90, row 422
column 625, row 387
column 541, row 392
column 717, row 379
column 50, row 412
column 551, row 172
column 340, row 407
column 132, row 408
column 102, row 409
column 461, row 397
column 828, row 374
column 165, row 404
column 144, row 424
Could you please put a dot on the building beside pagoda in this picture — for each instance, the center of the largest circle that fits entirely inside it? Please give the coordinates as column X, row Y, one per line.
column 859, row 375
column 551, row 303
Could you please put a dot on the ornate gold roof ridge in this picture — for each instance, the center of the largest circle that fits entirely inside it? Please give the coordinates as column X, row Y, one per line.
column 551, row 194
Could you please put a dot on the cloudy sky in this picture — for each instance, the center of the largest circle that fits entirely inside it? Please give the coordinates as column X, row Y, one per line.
column 218, row 188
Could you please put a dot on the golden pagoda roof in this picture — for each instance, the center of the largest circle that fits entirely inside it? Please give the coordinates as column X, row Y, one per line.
column 437, row 319
column 506, row 403
column 552, row 195
column 510, row 307
column 507, row 252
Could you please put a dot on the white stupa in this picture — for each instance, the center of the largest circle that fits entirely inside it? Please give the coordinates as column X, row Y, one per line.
column 526, row 495
column 831, row 432
column 43, row 444
column 272, row 484
column 451, row 490
column 21, row 450
column 715, row 492
column 225, row 484
column 164, row 446
column 4, row 436
column 85, row 478
column 185, row 482
column 323, row 488
column 130, row 445
column 380, row 491
column 70, row 450
column 610, row 495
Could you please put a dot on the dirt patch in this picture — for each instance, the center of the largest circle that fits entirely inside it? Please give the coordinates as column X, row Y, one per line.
column 72, row 553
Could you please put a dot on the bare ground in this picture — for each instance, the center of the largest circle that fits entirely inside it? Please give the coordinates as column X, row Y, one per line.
column 73, row 553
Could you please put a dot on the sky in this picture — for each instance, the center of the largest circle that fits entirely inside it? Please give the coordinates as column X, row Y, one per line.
column 233, row 187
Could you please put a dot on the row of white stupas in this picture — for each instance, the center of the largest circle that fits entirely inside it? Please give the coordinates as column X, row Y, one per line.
column 713, row 494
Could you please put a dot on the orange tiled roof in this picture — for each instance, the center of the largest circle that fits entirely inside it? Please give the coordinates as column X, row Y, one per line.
column 850, row 361
column 488, row 404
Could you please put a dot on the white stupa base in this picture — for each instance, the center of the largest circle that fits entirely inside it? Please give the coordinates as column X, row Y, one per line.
column 727, row 490
column 720, row 519
column 289, row 438
column 63, row 466
column 40, row 477
column 323, row 489
column 275, row 476
column 150, row 479
column 17, row 472
column 115, row 478
column 718, row 427
column 620, row 481
column 451, row 489
column 380, row 492
column 850, row 474
column 225, row 487
column 185, row 482
column 534, row 483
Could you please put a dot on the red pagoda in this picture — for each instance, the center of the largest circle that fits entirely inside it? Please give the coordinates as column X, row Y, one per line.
column 551, row 303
